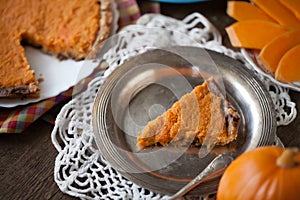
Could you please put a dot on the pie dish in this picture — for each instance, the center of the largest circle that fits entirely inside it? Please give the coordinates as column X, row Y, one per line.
column 64, row 29
column 57, row 75
column 132, row 95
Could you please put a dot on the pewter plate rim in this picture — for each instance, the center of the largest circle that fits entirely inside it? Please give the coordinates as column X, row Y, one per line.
column 233, row 71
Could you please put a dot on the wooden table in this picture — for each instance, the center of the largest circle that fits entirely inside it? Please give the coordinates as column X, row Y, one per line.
column 27, row 160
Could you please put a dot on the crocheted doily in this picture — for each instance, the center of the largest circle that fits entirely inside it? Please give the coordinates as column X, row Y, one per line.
column 80, row 170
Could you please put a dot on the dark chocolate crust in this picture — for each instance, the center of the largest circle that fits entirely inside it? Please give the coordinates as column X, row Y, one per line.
column 30, row 90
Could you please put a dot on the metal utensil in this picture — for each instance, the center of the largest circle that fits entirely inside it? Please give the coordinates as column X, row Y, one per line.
column 217, row 166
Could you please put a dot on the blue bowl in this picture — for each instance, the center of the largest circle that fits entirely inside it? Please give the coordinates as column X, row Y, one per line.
column 179, row 1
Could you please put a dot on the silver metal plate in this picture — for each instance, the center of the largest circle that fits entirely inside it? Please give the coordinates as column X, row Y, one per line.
column 143, row 92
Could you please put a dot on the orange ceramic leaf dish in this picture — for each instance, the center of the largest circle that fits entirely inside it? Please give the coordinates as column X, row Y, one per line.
column 278, row 12
column 289, row 66
column 292, row 5
column 241, row 10
column 254, row 34
column 271, row 54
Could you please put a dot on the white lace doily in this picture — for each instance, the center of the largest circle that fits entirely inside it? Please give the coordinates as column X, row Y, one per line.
column 80, row 170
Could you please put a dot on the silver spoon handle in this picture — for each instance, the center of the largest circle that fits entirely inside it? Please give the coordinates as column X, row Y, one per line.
column 217, row 164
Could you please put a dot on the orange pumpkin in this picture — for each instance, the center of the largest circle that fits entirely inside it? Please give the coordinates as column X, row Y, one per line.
column 264, row 173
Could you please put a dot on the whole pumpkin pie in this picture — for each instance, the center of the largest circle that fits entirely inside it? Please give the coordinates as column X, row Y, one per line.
column 202, row 114
column 63, row 28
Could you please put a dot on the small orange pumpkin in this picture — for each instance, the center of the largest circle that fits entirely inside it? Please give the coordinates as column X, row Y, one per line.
column 264, row 173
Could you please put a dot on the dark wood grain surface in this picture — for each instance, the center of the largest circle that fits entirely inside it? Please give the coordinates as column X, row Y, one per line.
column 27, row 159
column 27, row 163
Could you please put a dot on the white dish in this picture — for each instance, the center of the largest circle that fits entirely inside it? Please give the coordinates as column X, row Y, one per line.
column 57, row 76
column 252, row 60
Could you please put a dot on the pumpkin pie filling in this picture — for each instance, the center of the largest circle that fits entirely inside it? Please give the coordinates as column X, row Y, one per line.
column 196, row 117
column 62, row 28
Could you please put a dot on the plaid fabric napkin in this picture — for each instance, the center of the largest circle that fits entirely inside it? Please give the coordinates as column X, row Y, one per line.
column 16, row 120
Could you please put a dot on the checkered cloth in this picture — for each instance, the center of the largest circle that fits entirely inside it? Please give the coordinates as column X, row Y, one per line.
column 16, row 120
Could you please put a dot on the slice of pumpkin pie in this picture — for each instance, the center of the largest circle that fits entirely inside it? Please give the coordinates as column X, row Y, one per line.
column 202, row 114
